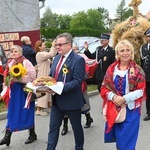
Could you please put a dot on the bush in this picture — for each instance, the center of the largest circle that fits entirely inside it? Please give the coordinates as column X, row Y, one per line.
column 2, row 106
column 48, row 44
column 51, row 33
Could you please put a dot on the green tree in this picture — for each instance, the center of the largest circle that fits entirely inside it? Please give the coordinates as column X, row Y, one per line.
column 49, row 19
column 127, row 14
column 121, row 9
column 105, row 15
column 79, row 20
column 92, row 19
column 64, row 21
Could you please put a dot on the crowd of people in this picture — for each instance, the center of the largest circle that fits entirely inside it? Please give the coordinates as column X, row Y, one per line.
column 122, row 83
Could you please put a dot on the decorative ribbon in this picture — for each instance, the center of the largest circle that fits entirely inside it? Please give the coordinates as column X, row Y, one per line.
column 28, row 99
column 64, row 78
column 5, row 94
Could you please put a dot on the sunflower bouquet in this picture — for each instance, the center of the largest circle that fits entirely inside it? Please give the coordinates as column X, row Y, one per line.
column 16, row 71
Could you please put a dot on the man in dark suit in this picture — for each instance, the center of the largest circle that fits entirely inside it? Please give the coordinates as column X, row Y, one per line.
column 28, row 52
column 70, row 102
column 145, row 64
column 104, row 55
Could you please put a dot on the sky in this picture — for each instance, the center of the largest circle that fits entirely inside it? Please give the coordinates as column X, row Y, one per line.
column 74, row 6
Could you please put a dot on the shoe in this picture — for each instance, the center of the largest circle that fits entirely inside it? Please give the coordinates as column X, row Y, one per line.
column 6, row 140
column 31, row 138
column 65, row 126
column 89, row 120
column 88, row 123
column 64, row 131
column 147, row 118
column 41, row 113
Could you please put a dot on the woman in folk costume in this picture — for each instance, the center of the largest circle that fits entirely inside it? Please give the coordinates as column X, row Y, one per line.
column 123, row 86
column 18, row 117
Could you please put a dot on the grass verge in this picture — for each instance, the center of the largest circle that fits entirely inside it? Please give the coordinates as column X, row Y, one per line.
column 2, row 106
column 91, row 87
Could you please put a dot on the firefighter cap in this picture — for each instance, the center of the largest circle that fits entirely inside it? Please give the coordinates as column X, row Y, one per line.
column 105, row 37
column 147, row 32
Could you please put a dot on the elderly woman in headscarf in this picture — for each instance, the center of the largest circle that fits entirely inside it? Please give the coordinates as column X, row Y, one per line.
column 18, row 117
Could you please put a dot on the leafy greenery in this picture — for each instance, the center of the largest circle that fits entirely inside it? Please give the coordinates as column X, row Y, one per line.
column 49, row 19
column 2, row 106
column 48, row 44
column 93, row 22
column 122, row 13
column 51, row 33
column 91, row 87
column 92, row 19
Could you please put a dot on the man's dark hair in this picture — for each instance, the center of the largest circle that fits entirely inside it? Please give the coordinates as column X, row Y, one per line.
column 68, row 37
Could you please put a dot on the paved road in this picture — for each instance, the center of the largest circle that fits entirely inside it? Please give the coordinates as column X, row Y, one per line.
column 93, row 135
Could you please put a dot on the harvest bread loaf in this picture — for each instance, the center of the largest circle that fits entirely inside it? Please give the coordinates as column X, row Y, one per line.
column 44, row 80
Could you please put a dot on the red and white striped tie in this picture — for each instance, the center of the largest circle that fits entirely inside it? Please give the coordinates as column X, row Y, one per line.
column 58, row 67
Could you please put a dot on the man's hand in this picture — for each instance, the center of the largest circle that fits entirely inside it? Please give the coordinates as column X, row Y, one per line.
column 86, row 46
column 44, row 89
column 49, row 91
column 53, row 43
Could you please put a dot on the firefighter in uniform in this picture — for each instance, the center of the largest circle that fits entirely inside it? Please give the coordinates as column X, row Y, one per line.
column 145, row 64
column 104, row 55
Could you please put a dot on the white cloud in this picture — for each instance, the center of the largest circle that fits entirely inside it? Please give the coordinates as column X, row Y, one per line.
column 74, row 6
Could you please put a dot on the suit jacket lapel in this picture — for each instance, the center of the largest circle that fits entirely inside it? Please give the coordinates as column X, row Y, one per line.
column 66, row 63
column 69, row 58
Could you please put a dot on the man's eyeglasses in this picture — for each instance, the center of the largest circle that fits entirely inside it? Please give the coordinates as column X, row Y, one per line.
column 60, row 44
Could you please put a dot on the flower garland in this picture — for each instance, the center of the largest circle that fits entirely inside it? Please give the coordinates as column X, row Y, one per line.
column 132, row 23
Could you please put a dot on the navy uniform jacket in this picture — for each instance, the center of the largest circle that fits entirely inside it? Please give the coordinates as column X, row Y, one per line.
column 145, row 61
column 71, row 97
column 104, row 59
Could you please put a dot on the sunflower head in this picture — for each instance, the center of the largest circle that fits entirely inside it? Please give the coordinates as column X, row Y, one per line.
column 15, row 71
column 65, row 69
column 18, row 70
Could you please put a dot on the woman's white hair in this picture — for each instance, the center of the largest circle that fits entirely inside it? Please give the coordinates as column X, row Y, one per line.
column 127, row 44
column 16, row 47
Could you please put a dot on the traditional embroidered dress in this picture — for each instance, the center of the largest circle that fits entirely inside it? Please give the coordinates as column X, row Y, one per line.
column 18, row 117
column 131, row 85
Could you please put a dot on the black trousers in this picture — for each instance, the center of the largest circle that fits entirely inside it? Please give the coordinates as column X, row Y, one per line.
column 99, row 83
column 148, row 98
